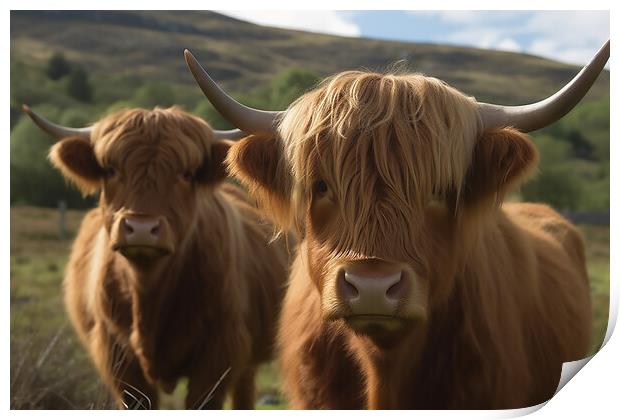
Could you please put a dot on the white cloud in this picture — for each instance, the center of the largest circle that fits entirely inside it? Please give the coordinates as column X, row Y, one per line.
column 543, row 46
column 577, row 26
column 486, row 38
column 473, row 16
column 568, row 54
column 322, row 21
column 569, row 36
column 508, row 44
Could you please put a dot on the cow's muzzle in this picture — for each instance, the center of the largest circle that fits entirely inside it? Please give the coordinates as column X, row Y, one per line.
column 141, row 237
column 372, row 292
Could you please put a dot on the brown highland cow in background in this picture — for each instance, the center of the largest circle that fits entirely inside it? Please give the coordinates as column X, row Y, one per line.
column 172, row 275
column 414, row 286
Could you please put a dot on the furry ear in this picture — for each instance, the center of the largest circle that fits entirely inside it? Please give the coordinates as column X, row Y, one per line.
column 75, row 158
column 501, row 160
column 259, row 163
column 213, row 170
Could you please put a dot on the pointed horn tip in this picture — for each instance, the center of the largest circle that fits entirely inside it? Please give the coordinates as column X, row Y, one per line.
column 188, row 55
column 26, row 109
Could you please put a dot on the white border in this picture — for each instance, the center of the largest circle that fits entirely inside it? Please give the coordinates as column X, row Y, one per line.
column 591, row 393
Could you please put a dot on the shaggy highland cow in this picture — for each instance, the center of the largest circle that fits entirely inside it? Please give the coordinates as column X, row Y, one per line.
column 172, row 275
column 414, row 285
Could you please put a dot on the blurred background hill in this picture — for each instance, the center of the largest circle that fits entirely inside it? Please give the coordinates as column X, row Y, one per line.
column 75, row 66
column 148, row 45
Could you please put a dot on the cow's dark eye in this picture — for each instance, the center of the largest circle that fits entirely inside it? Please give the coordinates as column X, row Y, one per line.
column 320, row 187
column 109, row 171
column 188, row 176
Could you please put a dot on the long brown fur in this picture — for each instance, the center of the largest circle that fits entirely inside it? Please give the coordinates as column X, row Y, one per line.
column 210, row 306
column 501, row 297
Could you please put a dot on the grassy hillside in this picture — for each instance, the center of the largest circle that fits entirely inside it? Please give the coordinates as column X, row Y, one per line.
column 149, row 44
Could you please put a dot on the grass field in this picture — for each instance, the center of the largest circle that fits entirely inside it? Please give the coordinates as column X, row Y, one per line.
column 50, row 370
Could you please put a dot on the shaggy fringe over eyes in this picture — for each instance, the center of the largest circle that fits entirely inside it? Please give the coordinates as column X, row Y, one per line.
column 402, row 139
column 127, row 139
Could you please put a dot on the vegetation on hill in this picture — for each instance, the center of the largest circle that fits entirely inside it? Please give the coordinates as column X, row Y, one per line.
column 141, row 46
column 74, row 68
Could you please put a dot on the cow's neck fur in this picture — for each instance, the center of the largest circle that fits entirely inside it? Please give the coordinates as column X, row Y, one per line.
column 458, row 331
column 180, row 289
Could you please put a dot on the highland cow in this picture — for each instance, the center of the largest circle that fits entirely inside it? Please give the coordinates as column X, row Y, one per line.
column 414, row 285
column 173, row 274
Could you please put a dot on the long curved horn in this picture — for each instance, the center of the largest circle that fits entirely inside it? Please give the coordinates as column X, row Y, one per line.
column 228, row 134
column 248, row 119
column 57, row 131
column 541, row 114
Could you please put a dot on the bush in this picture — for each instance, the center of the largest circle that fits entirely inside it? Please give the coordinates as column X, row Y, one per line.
column 118, row 106
column 552, row 151
column 76, row 117
column 79, row 87
column 154, row 94
column 33, row 179
column 557, row 186
column 290, row 85
column 57, row 67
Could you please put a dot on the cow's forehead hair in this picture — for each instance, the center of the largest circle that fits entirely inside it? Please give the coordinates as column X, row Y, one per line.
column 413, row 132
column 172, row 136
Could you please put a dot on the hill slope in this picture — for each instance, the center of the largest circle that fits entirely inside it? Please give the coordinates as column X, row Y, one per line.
column 243, row 56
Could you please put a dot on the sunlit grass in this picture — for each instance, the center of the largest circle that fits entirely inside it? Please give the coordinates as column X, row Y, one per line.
column 67, row 379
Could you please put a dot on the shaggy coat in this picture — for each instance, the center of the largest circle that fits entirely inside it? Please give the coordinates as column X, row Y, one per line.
column 378, row 170
column 208, row 305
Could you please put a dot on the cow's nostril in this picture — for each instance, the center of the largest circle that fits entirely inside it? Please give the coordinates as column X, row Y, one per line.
column 350, row 291
column 396, row 290
column 128, row 226
column 155, row 230
column 347, row 290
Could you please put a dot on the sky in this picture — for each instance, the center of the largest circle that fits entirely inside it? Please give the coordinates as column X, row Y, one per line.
column 568, row 36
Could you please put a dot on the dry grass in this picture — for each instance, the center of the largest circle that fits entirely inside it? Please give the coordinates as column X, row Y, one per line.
column 597, row 251
column 49, row 368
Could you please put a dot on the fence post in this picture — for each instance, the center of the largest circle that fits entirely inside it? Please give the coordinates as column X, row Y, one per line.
column 62, row 222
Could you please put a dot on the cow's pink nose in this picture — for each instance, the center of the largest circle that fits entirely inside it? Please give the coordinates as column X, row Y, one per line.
column 376, row 294
column 141, row 231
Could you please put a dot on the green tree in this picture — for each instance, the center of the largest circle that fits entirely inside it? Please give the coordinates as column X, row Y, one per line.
column 587, row 123
column 556, row 182
column 552, row 150
column 57, row 66
column 559, row 187
column 78, row 85
column 154, row 94
column 33, row 179
column 582, row 148
column 290, row 85
column 118, row 106
column 76, row 117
